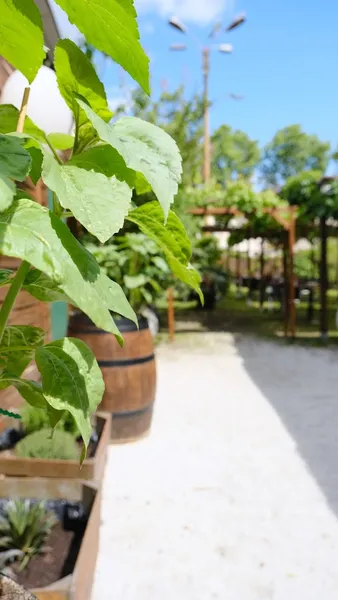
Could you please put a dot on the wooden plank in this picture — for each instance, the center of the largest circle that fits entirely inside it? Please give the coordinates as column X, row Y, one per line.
column 103, row 424
column 40, row 488
column 83, row 576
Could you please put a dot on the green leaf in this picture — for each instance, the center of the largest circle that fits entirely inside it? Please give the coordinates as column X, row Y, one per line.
column 29, row 390
column 31, row 232
column 141, row 184
column 18, row 346
column 111, row 27
column 15, row 161
column 37, row 158
column 145, row 148
column 61, row 141
column 9, row 116
column 43, row 287
column 21, row 36
column 7, row 192
column 100, row 203
column 105, row 159
column 76, row 75
column 171, row 238
column 71, row 380
column 6, row 276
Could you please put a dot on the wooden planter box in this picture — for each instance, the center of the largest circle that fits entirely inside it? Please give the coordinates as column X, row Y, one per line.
column 78, row 585
column 55, row 478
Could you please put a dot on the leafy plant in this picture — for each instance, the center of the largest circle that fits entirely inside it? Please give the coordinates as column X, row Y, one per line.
column 134, row 261
column 59, row 445
column 107, row 161
column 25, row 527
column 34, row 419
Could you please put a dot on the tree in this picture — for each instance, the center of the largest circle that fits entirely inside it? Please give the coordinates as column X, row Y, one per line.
column 234, row 154
column 291, row 151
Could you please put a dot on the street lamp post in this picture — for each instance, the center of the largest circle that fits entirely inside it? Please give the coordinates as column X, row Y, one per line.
column 225, row 49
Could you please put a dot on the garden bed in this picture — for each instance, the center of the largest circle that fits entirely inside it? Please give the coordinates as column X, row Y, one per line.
column 55, row 477
column 66, row 568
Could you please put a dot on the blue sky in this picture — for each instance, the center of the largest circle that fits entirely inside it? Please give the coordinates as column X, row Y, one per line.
column 284, row 61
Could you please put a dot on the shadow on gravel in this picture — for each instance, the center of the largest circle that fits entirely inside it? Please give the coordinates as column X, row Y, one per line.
column 302, row 386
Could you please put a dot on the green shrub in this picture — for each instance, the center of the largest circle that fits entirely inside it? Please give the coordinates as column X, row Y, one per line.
column 34, row 419
column 25, row 527
column 47, row 444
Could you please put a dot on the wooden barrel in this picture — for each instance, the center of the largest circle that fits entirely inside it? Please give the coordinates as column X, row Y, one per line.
column 129, row 373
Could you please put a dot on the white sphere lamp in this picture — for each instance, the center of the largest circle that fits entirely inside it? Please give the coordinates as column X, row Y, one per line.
column 46, row 107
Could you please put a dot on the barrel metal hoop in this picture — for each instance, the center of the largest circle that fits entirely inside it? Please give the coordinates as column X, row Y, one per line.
column 134, row 413
column 128, row 362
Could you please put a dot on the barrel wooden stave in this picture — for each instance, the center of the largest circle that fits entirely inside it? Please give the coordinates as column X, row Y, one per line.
column 129, row 373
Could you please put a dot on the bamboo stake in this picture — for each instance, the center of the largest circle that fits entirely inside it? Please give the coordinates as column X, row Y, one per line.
column 23, row 110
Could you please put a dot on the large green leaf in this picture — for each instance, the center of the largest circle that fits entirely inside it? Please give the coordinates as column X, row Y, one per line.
column 37, row 158
column 145, row 148
column 29, row 390
column 111, row 27
column 15, row 161
column 171, row 238
column 7, row 192
column 43, row 288
column 105, row 159
column 21, row 36
column 100, row 203
column 18, row 346
column 9, row 116
column 76, row 75
column 33, row 233
column 71, row 380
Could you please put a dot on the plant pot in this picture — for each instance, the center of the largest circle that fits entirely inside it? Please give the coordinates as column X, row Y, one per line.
column 129, row 373
column 81, row 560
column 55, row 478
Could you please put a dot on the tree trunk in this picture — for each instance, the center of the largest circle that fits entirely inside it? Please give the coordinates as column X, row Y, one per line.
column 323, row 280
column 10, row 590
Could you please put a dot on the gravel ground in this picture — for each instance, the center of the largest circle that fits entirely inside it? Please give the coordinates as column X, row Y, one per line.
column 235, row 493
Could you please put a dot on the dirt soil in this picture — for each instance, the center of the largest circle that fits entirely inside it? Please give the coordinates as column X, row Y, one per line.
column 56, row 562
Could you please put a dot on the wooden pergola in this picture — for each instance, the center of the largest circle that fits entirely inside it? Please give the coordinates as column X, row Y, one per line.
column 286, row 217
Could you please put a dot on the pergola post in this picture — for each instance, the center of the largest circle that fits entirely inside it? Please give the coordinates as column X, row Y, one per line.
column 286, row 284
column 323, row 280
column 292, row 240
column 262, row 286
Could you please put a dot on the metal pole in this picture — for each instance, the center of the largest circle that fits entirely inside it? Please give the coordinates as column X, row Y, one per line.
column 292, row 240
column 207, row 155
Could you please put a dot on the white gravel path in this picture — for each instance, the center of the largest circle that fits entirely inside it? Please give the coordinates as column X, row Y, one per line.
column 234, row 496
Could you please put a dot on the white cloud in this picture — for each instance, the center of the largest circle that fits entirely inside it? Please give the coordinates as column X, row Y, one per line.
column 201, row 12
